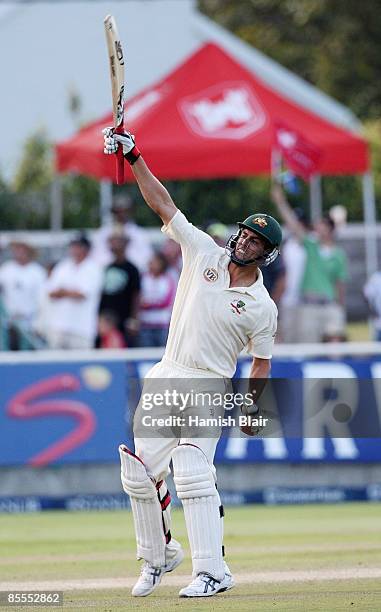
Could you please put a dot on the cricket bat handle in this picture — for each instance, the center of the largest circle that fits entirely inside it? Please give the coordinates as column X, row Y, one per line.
column 119, row 159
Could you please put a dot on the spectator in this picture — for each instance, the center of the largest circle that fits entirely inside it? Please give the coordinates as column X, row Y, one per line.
column 158, row 293
column 372, row 292
column 138, row 248
column 274, row 279
column 294, row 257
column 74, row 288
column 121, row 289
column 322, row 312
column 22, row 281
column 110, row 337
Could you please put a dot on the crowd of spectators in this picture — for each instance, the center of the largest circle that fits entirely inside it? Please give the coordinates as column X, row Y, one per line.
column 118, row 291
column 113, row 292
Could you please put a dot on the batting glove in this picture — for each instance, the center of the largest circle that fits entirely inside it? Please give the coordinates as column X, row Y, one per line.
column 127, row 140
column 252, row 412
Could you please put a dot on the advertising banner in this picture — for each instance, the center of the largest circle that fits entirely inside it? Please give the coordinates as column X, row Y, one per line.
column 328, row 410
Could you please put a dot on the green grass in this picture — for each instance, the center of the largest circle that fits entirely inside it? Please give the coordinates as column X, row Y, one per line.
column 58, row 545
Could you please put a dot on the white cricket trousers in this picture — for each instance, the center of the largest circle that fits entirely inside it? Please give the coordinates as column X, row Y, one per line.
column 156, row 452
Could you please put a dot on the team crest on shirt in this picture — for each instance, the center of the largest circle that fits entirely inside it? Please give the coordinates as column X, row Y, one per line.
column 210, row 275
column 238, row 306
column 260, row 221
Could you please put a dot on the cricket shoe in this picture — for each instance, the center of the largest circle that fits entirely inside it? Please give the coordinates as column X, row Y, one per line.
column 204, row 585
column 150, row 577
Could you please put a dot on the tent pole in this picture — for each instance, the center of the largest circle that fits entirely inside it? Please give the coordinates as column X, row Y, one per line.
column 105, row 201
column 370, row 218
column 56, row 204
column 316, row 205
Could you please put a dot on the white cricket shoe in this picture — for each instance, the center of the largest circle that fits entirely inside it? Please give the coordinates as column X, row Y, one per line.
column 150, row 577
column 204, row 585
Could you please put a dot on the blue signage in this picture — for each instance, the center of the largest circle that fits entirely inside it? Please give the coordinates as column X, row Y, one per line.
column 55, row 413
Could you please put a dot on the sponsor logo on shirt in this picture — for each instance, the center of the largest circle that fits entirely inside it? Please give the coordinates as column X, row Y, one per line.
column 210, row 275
column 238, row 306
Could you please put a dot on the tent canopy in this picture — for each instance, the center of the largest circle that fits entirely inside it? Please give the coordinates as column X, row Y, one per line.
column 212, row 118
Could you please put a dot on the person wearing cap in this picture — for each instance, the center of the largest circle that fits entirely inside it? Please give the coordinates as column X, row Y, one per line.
column 22, row 280
column 138, row 248
column 221, row 308
column 73, row 289
column 121, row 289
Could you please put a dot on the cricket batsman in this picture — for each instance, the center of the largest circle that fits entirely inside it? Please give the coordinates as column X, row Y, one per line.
column 221, row 308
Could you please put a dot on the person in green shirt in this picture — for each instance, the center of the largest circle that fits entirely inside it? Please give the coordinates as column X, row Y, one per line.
column 322, row 311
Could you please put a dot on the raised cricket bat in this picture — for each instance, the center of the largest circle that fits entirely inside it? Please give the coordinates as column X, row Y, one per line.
column 116, row 59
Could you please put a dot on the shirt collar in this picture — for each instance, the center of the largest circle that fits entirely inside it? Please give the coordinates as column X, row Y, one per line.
column 252, row 289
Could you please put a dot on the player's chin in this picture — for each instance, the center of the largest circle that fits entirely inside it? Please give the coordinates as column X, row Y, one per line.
column 240, row 255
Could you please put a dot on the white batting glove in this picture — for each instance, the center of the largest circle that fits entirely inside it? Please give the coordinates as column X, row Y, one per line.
column 127, row 140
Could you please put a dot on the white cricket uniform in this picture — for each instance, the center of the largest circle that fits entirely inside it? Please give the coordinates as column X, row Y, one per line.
column 73, row 323
column 211, row 324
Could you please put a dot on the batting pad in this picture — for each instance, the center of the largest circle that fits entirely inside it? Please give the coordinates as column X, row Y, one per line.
column 146, row 509
column 196, row 488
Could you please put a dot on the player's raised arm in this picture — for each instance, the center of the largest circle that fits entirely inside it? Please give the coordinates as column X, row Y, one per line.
column 154, row 193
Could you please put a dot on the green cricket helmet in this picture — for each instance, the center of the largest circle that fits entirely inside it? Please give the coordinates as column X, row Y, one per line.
column 267, row 228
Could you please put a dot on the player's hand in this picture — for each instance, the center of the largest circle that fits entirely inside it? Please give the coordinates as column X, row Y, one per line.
column 251, row 412
column 127, row 140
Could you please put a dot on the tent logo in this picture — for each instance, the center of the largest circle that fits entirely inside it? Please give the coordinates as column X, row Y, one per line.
column 227, row 110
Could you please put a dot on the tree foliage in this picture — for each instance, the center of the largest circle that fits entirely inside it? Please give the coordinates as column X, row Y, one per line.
column 26, row 203
column 334, row 44
column 35, row 170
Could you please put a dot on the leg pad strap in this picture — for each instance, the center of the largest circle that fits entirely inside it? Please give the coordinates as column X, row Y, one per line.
column 146, row 509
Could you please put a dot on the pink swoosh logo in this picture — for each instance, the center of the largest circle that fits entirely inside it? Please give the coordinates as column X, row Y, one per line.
column 27, row 405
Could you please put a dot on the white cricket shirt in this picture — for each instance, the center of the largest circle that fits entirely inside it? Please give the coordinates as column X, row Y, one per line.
column 22, row 287
column 75, row 316
column 212, row 323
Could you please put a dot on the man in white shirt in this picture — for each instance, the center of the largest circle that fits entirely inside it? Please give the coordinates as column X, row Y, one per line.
column 74, row 289
column 21, row 282
column 221, row 307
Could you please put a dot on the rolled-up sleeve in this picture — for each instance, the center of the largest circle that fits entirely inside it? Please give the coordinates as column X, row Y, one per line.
column 261, row 342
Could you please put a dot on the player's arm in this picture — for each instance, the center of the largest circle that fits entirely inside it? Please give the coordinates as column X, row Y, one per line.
column 154, row 193
column 288, row 216
column 259, row 373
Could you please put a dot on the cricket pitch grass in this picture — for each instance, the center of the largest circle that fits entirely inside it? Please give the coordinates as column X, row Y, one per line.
column 283, row 558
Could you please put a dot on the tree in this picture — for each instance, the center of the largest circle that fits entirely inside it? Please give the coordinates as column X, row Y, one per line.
column 334, row 44
column 35, row 170
column 28, row 203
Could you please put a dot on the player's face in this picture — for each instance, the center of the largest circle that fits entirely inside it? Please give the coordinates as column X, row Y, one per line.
column 249, row 245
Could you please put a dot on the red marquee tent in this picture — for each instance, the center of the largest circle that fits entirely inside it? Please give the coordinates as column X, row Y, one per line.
column 212, row 118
